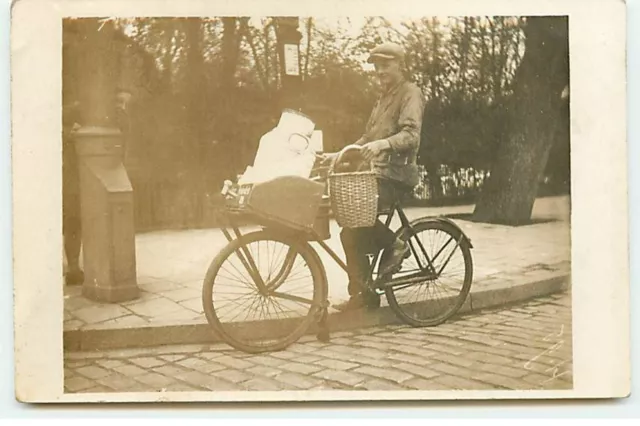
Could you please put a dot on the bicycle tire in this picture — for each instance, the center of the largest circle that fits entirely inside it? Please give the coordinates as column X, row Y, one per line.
column 405, row 311
column 245, row 336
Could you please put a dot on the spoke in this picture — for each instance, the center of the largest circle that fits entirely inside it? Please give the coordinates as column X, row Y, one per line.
column 427, row 254
column 296, row 277
column 442, row 249
column 292, row 298
column 232, row 304
column 304, row 289
column 264, row 307
column 284, row 267
column 446, row 281
column 449, row 258
column 449, row 287
column 231, row 294
column 297, row 264
column 411, row 289
column 432, row 240
column 437, row 291
column 416, row 305
column 241, row 274
column 415, row 250
column 229, row 260
column 277, row 270
column 278, row 306
column 268, row 261
column 286, row 249
column 296, row 280
column 259, row 250
column 234, row 300
column 272, row 255
column 259, row 309
column 300, row 311
column 222, row 288
column 458, row 268
column 240, row 278
column 249, row 309
column 227, row 283
column 247, row 260
column 276, row 309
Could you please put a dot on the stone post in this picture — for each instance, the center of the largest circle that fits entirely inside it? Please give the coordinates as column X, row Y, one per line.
column 107, row 217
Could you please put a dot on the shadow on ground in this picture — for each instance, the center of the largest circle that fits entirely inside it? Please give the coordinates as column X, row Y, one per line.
column 469, row 218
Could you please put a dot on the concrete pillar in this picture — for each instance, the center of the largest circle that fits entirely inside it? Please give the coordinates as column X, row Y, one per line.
column 108, row 232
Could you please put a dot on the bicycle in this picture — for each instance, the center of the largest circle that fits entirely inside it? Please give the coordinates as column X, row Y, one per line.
column 275, row 271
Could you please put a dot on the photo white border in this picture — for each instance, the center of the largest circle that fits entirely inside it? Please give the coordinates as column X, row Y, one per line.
column 600, row 288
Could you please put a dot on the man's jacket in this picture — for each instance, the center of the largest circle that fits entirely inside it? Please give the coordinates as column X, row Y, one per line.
column 397, row 117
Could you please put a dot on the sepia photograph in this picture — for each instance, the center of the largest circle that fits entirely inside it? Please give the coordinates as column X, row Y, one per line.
column 275, row 203
column 270, row 202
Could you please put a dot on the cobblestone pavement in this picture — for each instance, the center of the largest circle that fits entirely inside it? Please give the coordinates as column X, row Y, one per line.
column 521, row 347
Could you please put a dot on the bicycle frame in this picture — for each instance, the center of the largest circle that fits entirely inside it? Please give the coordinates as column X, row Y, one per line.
column 426, row 271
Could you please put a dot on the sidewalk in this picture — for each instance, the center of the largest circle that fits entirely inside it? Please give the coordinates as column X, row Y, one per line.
column 510, row 264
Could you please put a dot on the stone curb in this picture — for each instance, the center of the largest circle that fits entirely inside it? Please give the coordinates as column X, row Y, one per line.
column 499, row 293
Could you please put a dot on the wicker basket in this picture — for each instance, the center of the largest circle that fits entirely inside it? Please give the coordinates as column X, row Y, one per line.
column 354, row 198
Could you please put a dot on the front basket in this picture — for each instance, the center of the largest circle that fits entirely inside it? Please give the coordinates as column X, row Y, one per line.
column 354, row 198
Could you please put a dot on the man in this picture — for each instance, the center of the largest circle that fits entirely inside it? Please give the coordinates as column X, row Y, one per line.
column 71, row 219
column 390, row 142
column 123, row 119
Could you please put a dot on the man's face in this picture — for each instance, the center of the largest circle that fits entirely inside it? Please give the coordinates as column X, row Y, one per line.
column 122, row 100
column 388, row 71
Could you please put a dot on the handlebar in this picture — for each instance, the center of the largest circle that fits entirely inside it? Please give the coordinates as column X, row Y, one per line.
column 344, row 150
column 341, row 154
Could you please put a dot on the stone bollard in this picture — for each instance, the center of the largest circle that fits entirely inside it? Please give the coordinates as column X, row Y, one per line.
column 108, row 232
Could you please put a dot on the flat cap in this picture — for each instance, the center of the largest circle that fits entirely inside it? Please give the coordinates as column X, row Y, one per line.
column 386, row 51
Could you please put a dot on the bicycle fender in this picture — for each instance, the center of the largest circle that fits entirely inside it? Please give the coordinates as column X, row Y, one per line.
column 444, row 219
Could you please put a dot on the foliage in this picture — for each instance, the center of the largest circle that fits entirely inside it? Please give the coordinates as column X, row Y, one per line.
column 218, row 89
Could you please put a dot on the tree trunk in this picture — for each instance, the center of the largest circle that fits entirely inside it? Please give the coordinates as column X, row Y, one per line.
column 226, row 107
column 91, row 70
column 262, row 75
column 195, row 89
column 308, row 52
column 230, row 50
column 535, row 112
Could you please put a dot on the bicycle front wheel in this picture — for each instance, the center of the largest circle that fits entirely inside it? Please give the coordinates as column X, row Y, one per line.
column 263, row 291
column 435, row 281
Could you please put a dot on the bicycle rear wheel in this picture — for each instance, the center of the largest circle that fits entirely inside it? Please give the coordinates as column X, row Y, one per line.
column 263, row 291
column 423, row 297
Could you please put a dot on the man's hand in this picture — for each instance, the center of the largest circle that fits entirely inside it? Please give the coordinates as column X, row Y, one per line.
column 328, row 158
column 371, row 149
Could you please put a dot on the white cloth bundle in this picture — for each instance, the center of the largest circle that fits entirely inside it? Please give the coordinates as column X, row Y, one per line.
column 286, row 150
